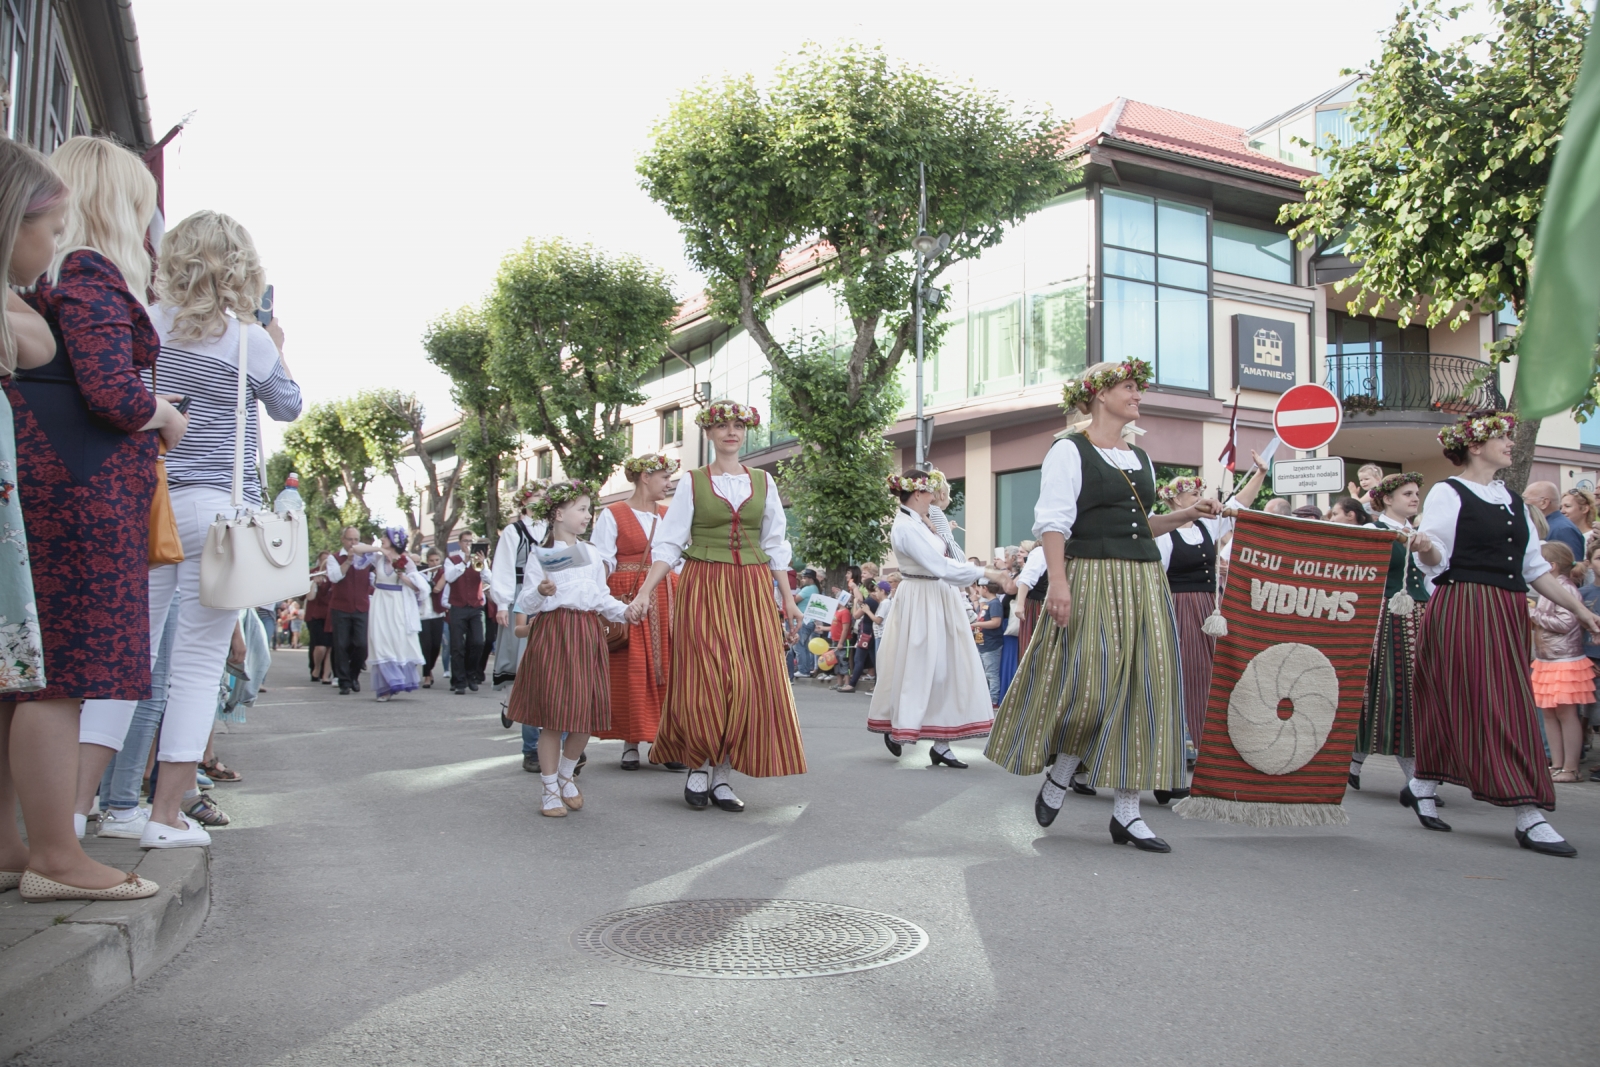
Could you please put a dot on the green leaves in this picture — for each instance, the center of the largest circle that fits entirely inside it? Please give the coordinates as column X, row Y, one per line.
column 572, row 332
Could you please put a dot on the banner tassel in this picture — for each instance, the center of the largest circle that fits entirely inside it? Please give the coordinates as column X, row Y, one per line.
column 1247, row 813
column 1215, row 625
column 1402, row 604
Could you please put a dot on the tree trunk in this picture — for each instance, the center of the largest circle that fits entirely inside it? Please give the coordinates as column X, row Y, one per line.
column 1523, row 440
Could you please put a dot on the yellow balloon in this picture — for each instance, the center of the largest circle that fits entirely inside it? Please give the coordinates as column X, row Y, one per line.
column 818, row 645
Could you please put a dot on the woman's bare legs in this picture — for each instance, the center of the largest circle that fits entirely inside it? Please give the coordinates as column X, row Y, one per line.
column 92, row 763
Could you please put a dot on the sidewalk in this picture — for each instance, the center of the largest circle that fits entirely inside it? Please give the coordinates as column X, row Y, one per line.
column 62, row 960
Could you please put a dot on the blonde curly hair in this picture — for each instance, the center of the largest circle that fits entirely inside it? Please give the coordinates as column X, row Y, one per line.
column 208, row 266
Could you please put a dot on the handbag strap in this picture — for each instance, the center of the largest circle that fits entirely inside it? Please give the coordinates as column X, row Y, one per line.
column 240, row 421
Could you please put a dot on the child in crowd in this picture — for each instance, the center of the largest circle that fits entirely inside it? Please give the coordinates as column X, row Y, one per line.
column 1563, row 676
column 1589, row 590
column 563, row 682
column 1367, row 477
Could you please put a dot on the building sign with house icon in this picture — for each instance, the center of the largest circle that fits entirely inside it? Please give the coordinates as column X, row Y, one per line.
column 1263, row 353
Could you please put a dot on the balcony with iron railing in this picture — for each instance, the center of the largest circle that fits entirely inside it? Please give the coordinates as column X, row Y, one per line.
column 1370, row 383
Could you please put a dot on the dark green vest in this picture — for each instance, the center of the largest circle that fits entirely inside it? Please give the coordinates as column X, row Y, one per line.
column 718, row 534
column 1112, row 521
column 1399, row 572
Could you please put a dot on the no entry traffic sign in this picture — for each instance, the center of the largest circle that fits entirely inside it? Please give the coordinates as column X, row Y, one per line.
column 1307, row 417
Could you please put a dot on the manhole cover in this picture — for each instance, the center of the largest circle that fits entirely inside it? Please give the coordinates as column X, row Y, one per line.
column 750, row 938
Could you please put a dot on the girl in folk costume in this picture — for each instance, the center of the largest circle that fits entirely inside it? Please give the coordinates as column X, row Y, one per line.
column 728, row 703
column 1388, row 724
column 1189, row 558
column 563, row 682
column 623, row 535
column 394, row 624
column 930, row 680
column 1475, row 712
column 1563, row 678
column 1099, row 683
column 511, row 554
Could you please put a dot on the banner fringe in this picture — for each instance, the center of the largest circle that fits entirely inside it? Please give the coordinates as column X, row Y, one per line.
column 1247, row 813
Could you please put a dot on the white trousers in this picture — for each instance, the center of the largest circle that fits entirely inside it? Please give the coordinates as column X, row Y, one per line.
column 199, row 645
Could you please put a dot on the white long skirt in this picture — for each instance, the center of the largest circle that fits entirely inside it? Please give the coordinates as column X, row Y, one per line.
column 930, row 679
column 394, row 652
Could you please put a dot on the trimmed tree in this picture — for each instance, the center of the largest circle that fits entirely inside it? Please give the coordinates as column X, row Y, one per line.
column 332, row 457
column 1437, row 198
column 486, row 443
column 829, row 155
column 572, row 334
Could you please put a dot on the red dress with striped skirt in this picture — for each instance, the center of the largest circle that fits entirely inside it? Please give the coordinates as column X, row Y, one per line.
column 639, row 672
column 563, row 680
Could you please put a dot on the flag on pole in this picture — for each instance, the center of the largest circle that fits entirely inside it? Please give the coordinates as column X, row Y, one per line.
column 1230, row 451
column 1556, row 351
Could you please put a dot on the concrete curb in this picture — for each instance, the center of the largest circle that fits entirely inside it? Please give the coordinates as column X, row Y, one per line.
column 63, row 973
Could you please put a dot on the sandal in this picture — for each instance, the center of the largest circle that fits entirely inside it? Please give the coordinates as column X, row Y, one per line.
column 1563, row 776
column 218, row 773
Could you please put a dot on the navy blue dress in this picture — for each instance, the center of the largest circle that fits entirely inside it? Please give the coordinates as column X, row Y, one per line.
column 86, row 475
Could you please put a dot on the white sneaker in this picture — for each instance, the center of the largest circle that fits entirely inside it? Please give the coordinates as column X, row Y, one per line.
column 160, row 835
column 130, row 824
column 80, row 824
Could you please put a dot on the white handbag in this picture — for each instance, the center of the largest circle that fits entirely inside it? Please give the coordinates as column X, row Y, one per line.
column 1014, row 621
column 256, row 557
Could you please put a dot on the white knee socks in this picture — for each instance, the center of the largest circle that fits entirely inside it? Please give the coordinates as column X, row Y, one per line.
column 1425, row 791
column 1408, row 765
column 1125, row 809
column 1056, row 779
column 1356, row 760
column 1530, row 820
column 719, row 781
column 940, row 747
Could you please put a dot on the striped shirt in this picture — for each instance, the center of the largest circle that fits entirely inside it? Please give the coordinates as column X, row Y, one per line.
column 207, row 372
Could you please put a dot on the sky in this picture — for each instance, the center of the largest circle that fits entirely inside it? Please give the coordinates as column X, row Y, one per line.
column 386, row 157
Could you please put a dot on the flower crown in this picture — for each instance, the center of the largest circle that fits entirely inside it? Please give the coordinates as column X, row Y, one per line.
column 649, row 464
column 530, row 489
column 397, row 537
column 1476, row 429
column 936, row 476
column 1391, row 485
column 724, row 411
column 559, row 495
column 1178, row 486
column 1081, row 391
column 922, row 483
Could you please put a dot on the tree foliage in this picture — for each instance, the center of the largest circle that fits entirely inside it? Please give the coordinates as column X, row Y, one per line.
column 573, row 332
column 331, row 456
column 1437, row 198
column 825, row 162
column 486, row 443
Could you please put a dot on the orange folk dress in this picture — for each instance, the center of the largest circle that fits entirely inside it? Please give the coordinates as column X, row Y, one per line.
column 639, row 672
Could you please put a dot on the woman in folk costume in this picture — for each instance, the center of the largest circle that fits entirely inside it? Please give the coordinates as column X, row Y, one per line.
column 1475, row 716
column 511, row 554
column 624, row 534
column 563, row 683
column 1099, row 684
column 729, row 704
column 930, row 680
column 1387, row 720
column 394, row 625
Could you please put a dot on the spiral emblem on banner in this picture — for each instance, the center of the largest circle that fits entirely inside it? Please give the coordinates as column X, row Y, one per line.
column 1282, row 709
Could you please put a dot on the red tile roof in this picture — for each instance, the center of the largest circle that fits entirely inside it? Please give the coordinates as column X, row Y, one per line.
column 1138, row 123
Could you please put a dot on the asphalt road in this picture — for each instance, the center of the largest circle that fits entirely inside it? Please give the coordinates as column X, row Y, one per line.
column 387, row 894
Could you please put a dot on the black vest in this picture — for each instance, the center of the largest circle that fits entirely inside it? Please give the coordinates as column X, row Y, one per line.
column 1112, row 506
column 1193, row 568
column 1490, row 542
column 1040, row 591
column 1401, row 571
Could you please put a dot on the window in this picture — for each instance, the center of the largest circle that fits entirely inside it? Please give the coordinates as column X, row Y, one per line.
column 1016, row 492
column 672, row 427
column 1156, row 287
column 1589, row 434
column 544, row 463
column 1255, row 253
column 1364, row 356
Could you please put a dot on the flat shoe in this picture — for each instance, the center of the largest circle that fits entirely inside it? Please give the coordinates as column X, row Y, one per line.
column 630, row 764
column 37, row 888
column 1082, row 789
column 892, row 745
column 1165, row 795
column 1043, row 813
column 727, row 803
column 674, row 765
column 10, row 880
column 1549, row 848
column 1429, row 822
column 697, row 799
column 1354, row 781
column 574, row 802
column 1121, row 836
column 947, row 758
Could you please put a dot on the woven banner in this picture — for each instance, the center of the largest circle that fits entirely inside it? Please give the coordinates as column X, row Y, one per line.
column 1302, row 605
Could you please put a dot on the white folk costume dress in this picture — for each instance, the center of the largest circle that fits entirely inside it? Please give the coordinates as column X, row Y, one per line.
column 564, row 681
column 1189, row 558
column 505, row 585
column 931, row 683
column 1106, row 690
column 394, row 648
column 728, row 693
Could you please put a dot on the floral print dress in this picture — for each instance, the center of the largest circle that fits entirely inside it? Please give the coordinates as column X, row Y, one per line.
column 21, row 649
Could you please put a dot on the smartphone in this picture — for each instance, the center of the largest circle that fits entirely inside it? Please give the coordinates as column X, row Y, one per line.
column 182, row 405
column 264, row 309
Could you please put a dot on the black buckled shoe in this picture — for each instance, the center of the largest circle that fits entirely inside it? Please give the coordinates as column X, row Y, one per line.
column 1354, row 781
column 505, row 720
column 697, row 799
column 1165, row 795
column 1043, row 813
column 946, row 757
column 1121, row 836
column 1430, row 822
column 583, row 757
column 630, row 759
column 673, row 765
column 727, row 803
column 1549, row 848
column 892, row 745
column 1083, row 789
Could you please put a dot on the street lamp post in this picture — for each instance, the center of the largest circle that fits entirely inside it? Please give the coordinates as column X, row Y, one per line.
column 926, row 247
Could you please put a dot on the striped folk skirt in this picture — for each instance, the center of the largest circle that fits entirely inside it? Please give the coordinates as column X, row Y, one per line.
column 1196, row 650
column 1388, row 724
column 1105, row 689
column 639, row 672
column 563, row 681
column 1476, row 723
column 728, row 694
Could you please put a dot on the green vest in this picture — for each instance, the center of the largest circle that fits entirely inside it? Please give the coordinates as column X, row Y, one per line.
column 718, row 534
column 1112, row 521
column 1401, row 573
